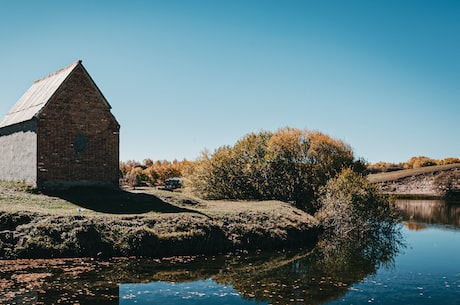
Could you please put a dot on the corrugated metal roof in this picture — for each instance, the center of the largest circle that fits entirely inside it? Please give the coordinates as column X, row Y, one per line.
column 30, row 104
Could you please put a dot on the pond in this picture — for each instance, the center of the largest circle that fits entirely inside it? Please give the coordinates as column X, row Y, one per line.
column 419, row 267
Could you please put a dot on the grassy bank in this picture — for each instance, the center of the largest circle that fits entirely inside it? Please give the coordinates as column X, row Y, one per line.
column 143, row 222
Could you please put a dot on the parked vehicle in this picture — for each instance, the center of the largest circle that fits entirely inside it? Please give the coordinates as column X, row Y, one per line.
column 173, row 183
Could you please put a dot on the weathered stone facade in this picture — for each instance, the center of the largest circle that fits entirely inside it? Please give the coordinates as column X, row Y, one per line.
column 72, row 140
column 18, row 152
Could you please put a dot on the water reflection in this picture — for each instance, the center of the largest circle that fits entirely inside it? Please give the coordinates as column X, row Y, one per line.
column 422, row 213
column 327, row 273
column 311, row 276
column 165, row 293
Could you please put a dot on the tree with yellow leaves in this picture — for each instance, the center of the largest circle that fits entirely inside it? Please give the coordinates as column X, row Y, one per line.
column 289, row 164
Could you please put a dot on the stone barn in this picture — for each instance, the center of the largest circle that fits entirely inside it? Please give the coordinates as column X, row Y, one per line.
column 61, row 133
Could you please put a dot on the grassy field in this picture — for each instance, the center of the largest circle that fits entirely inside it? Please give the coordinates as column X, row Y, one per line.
column 16, row 197
column 396, row 175
column 142, row 222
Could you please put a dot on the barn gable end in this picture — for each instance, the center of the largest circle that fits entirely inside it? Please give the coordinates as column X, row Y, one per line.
column 72, row 137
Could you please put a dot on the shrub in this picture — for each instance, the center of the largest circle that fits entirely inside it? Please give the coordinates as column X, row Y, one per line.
column 289, row 165
column 450, row 160
column 350, row 205
column 422, row 161
column 384, row 167
column 150, row 172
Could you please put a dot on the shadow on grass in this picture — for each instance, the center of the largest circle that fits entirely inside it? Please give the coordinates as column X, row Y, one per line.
column 115, row 201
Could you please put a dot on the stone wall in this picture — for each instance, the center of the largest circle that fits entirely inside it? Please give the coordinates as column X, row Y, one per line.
column 18, row 153
column 78, row 137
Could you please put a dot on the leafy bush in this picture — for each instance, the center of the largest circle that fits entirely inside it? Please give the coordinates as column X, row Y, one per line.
column 150, row 172
column 289, row 165
column 351, row 206
column 414, row 162
column 381, row 166
column 421, row 161
column 449, row 160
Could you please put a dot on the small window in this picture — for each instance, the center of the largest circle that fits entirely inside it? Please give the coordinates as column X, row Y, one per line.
column 79, row 144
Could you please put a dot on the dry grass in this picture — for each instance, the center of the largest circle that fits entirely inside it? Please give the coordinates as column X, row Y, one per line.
column 18, row 197
column 396, row 175
column 216, row 207
column 146, row 222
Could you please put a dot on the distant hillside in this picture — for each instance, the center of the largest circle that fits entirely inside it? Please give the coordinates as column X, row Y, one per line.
column 395, row 175
column 433, row 181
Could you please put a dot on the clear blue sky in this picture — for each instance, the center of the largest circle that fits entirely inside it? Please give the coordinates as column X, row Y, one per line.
column 182, row 76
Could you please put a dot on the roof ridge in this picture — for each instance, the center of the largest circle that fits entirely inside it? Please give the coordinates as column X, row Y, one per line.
column 37, row 96
column 72, row 65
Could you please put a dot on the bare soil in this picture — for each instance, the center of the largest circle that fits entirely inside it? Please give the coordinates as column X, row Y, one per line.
column 441, row 181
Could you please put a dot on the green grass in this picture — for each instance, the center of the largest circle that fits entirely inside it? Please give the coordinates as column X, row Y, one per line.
column 396, row 175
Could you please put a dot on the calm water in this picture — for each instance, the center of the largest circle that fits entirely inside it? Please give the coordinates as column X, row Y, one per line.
column 427, row 272
column 420, row 267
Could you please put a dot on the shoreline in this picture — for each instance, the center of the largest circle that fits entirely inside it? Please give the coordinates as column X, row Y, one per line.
column 432, row 182
column 189, row 227
column 148, row 222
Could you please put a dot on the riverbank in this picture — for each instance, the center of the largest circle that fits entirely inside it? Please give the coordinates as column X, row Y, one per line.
column 432, row 182
column 89, row 222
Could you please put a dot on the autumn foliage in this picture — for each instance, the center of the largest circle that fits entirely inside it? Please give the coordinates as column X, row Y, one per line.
column 414, row 162
column 352, row 207
column 150, row 172
column 417, row 162
column 289, row 165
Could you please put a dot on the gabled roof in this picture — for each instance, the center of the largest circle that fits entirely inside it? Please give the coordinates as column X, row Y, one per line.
column 38, row 95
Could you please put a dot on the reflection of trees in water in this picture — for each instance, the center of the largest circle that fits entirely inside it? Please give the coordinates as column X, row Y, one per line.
column 434, row 212
column 314, row 277
column 311, row 276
